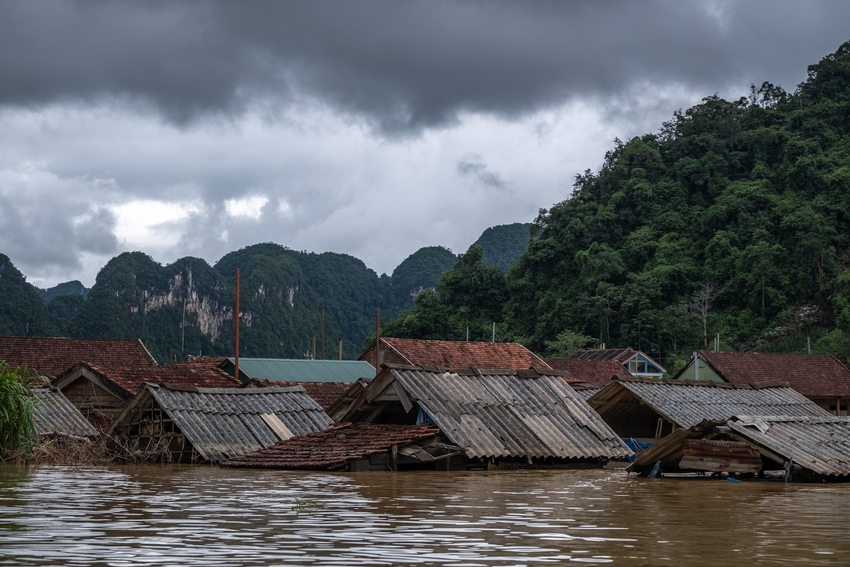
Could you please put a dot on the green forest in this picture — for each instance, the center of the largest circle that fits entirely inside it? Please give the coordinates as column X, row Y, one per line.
column 733, row 220
column 186, row 307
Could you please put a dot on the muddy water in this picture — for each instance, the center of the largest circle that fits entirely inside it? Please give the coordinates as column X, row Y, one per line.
column 208, row 516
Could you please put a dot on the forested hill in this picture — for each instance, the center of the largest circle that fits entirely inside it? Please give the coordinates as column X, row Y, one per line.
column 732, row 220
column 187, row 306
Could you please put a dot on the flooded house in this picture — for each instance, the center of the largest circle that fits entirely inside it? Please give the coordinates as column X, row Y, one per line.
column 51, row 356
column 102, row 392
column 186, row 424
column 804, row 448
column 450, row 354
column 56, row 417
column 499, row 418
column 821, row 378
column 634, row 362
column 356, row 447
column 648, row 409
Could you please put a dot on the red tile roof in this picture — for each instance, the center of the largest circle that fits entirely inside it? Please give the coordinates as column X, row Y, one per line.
column 461, row 354
column 333, row 447
column 588, row 371
column 813, row 375
column 324, row 393
column 620, row 355
column 51, row 356
column 130, row 380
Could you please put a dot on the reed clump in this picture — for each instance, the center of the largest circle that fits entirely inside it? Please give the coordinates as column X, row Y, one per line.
column 17, row 428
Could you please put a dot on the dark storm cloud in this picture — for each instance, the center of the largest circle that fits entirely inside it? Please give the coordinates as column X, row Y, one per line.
column 402, row 66
column 473, row 166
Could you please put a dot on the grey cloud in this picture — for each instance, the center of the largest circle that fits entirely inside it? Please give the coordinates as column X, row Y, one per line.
column 42, row 239
column 473, row 166
column 401, row 66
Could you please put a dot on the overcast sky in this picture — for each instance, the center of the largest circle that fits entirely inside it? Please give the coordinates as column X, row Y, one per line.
column 368, row 128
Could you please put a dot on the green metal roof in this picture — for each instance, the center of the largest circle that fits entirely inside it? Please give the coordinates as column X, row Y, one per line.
column 303, row 370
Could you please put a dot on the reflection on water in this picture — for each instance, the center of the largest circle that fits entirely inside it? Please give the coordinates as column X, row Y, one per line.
column 208, row 516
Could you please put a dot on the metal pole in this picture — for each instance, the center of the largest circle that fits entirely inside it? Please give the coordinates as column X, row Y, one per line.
column 340, row 349
column 323, row 334
column 377, row 341
column 236, row 356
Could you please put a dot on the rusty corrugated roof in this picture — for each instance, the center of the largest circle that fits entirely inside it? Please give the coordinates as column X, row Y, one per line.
column 620, row 355
column 333, row 447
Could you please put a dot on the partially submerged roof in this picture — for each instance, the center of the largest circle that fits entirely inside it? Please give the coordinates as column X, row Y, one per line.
column 463, row 354
column 302, row 370
column 325, row 393
column 124, row 382
column 686, row 403
column 588, row 371
column 334, row 447
column 226, row 422
column 813, row 375
column 50, row 356
column 53, row 414
column 819, row 445
column 522, row 413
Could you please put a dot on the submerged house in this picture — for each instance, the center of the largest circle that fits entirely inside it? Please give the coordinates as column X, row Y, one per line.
column 809, row 448
column 648, row 408
column 821, row 378
column 184, row 424
column 355, row 447
column 451, row 355
column 54, row 416
column 51, row 356
column 102, row 392
column 635, row 362
column 499, row 418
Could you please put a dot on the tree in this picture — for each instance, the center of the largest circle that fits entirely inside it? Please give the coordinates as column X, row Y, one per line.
column 700, row 307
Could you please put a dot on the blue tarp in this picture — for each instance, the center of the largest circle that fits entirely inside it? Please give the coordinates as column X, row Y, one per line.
column 636, row 446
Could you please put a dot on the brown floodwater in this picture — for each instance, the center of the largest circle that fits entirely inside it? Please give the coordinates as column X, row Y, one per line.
column 129, row 516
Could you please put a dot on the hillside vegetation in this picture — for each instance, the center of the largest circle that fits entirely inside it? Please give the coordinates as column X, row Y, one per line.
column 732, row 220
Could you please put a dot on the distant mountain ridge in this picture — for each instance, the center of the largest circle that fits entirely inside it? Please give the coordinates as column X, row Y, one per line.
column 186, row 307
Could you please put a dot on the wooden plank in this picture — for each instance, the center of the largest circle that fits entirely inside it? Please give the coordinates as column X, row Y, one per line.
column 402, row 396
column 720, row 456
column 276, row 425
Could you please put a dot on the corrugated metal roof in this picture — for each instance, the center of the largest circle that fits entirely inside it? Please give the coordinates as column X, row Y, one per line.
column 820, row 444
column 505, row 415
column 305, row 370
column 226, row 422
column 688, row 403
column 54, row 414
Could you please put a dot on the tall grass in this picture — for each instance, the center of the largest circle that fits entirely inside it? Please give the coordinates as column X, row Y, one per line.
column 17, row 429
